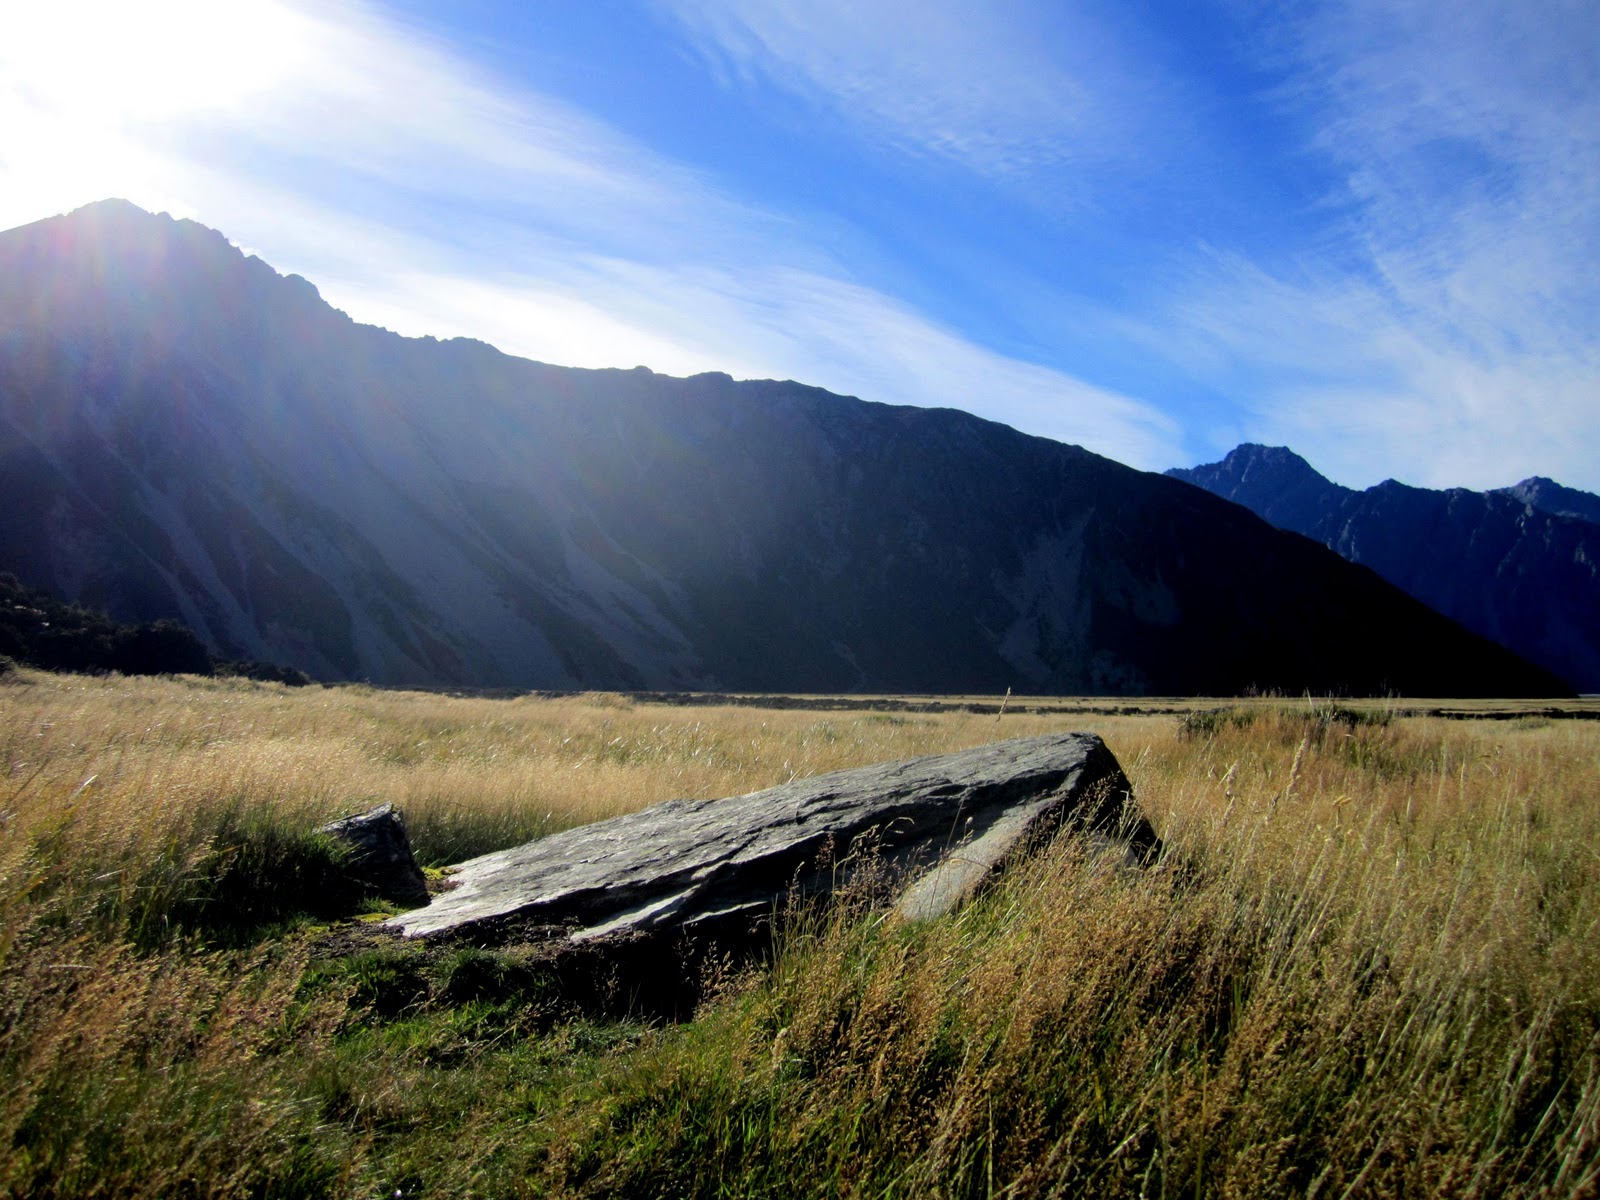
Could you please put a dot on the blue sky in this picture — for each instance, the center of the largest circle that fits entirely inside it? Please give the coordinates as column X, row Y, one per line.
column 1368, row 229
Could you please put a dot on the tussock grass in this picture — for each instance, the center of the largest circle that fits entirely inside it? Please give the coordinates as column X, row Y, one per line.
column 1367, row 966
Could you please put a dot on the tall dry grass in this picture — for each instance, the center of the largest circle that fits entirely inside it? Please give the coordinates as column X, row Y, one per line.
column 129, row 755
column 1367, row 966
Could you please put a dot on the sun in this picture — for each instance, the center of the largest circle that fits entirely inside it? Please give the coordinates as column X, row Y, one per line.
column 159, row 60
column 105, row 97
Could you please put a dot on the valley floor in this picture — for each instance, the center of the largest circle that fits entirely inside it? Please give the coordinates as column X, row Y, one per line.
column 1367, row 965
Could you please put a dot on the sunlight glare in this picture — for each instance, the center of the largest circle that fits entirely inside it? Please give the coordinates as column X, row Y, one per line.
column 105, row 62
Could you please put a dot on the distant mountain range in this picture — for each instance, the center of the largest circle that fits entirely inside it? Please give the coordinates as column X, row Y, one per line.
column 1519, row 565
column 185, row 433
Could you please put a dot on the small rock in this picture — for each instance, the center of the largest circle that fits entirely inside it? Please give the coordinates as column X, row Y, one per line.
column 381, row 854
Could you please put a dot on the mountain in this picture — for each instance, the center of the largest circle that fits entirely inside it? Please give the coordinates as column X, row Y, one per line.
column 1518, row 565
column 1548, row 496
column 185, row 433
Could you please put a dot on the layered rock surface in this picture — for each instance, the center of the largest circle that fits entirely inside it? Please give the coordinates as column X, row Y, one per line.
column 947, row 821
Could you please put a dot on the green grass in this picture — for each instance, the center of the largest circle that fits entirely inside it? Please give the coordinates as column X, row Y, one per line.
column 1368, row 965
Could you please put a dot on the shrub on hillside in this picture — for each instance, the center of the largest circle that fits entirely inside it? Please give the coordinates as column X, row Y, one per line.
column 1318, row 720
column 42, row 632
column 160, row 648
column 263, row 672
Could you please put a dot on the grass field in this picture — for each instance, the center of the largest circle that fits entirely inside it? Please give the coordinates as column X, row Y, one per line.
column 1368, row 964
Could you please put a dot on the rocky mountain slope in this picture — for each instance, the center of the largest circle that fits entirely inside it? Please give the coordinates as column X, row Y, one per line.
column 1548, row 496
column 1519, row 565
column 186, row 433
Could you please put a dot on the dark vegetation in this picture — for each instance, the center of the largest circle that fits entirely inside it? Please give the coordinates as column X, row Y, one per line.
column 36, row 630
column 1318, row 719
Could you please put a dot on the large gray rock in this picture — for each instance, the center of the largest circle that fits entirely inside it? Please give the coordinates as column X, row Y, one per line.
column 692, row 865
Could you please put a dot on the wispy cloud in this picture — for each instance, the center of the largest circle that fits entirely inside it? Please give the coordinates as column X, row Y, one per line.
column 424, row 194
column 1332, row 366
column 1435, row 320
column 1443, row 331
column 966, row 80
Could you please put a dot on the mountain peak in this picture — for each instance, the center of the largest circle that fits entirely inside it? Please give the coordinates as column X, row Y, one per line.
column 104, row 264
column 1273, row 481
column 1253, row 458
column 1515, row 565
column 115, row 221
column 116, row 207
column 1554, row 498
column 1260, row 451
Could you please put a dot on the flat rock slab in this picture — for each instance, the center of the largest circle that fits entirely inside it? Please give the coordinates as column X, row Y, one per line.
column 947, row 821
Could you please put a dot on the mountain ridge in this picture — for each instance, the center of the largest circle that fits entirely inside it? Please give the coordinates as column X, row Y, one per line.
column 1554, row 498
column 187, row 433
column 1517, row 565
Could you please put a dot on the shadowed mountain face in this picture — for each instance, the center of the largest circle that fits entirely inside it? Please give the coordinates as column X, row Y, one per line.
column 1519, row 565
column 1548, row 496
column 185, row 433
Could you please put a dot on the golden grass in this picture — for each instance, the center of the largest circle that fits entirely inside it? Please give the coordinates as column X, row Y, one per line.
column 1368, row 965
column 132, row 759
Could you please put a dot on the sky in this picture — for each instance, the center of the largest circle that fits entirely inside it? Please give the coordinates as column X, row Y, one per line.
column 1366, row 229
